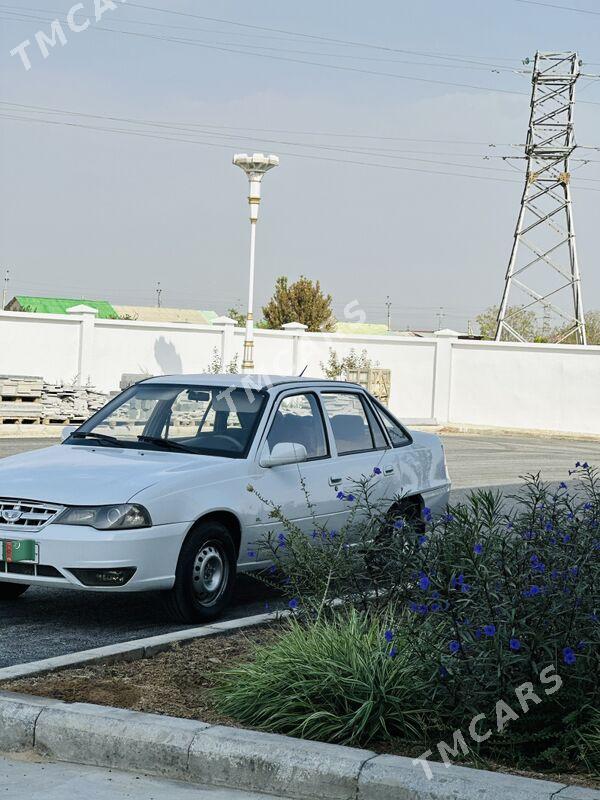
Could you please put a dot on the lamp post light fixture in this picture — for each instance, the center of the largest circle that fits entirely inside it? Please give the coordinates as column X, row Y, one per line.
column 255, row 167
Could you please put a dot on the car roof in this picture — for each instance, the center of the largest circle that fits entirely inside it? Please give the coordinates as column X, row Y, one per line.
column 246, row 381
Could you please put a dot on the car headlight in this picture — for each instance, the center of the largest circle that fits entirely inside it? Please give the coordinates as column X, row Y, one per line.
column 107, row 518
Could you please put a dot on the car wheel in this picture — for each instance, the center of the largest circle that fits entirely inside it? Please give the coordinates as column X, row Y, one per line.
column 205, row 575
column 10, row 591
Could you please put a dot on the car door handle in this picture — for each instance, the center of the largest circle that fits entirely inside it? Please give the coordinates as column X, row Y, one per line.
column 333, row 481
column 388, row 470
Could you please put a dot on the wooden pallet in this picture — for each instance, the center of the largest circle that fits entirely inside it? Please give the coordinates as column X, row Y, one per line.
column 18, row 398
column 63, row 420
column 20, row 421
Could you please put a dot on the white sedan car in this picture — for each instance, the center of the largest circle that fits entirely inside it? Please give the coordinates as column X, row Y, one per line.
column 151, row 493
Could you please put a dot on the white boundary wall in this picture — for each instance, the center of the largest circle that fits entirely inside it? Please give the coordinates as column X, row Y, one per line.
column 443, row 381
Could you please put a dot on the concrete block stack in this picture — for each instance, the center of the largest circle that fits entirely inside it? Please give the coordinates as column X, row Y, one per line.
column 29, row 400
column 70, row 404
column 20, row 398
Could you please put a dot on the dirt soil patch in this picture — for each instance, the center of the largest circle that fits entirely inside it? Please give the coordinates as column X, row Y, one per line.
column 179, row 683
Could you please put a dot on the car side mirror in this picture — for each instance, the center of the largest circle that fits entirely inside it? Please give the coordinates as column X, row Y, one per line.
column 284, row 453
column 67, row 431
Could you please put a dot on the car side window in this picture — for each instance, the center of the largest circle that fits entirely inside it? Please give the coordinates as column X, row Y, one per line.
column 349, row 422
column 298, row 420
column 397, row 434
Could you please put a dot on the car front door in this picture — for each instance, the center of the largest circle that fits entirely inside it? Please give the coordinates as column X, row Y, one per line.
column 303, row 492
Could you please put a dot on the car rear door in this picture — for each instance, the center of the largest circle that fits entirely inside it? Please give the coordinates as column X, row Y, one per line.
column 362, row 450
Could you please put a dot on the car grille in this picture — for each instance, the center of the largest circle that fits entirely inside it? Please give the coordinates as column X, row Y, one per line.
column 35, row 570
column 26, row 514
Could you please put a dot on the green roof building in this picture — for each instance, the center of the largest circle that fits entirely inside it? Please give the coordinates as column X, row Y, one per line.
column 59, row 305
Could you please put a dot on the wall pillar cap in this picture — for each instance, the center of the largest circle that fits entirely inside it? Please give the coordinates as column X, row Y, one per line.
column 294, row 326
column 223, row 321
column 83, row 309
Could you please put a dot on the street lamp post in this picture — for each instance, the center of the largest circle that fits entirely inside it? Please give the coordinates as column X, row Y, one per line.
column 255, row 167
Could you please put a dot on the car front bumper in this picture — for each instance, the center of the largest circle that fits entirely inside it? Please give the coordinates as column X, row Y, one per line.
column 153, row 552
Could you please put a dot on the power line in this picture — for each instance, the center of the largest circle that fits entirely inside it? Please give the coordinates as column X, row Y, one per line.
column 334, row 134
column 19, row 16
column 204, row 143
column 339, row 67
column 375, row 152
column 559, row 8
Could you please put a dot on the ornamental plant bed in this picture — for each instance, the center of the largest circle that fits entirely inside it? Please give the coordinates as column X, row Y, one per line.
column 181, row 683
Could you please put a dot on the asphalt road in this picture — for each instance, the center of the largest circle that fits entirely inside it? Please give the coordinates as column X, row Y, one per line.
column 52, row 622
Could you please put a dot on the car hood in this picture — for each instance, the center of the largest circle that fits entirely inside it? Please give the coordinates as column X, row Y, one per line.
column 88, row 475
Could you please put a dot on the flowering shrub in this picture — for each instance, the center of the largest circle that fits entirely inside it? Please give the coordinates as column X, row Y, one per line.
column 482, row 599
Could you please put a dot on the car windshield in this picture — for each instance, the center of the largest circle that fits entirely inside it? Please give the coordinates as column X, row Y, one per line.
column 214, row 420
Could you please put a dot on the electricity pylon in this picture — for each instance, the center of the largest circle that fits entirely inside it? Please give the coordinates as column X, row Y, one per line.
column 543, row 264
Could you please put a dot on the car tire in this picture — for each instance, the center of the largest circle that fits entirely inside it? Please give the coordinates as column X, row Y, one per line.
column 205, row 576
column 11, row 591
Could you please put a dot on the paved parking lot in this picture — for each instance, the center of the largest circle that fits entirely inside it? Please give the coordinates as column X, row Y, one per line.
column 46, row 622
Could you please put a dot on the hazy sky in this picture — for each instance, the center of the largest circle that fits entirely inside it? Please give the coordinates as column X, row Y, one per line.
column 105, row 208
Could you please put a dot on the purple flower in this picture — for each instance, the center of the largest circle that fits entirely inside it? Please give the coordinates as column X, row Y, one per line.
column 393, row 652
column 566, row 538
column 350, row 498
column 251, row 554
column 548, row 527
column 489, row 630
column 399, row 524
column 389, row 635
column 514, row 644
column 454, row 646
column 587, row 506
column 273, row 569
column 581, row 646
column 422, row 540
column 377, row 471
column 293, row 604
column 448, row 517
column 585, row 465
column 465, row 588
column 534, row 590
column 340, row 496
column 444, row 673
column 569, row 655
column 427, row 514
column 424, row 582
column 478, row 549
column 314, row 534
column 562, row 485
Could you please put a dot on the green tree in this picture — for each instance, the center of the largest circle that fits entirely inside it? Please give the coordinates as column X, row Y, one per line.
column 302, row 301
column 238, row 316
column 523, row 320
column 592, row 329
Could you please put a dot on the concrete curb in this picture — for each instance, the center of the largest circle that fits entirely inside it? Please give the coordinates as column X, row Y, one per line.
column 247, row 760
column 134, row 649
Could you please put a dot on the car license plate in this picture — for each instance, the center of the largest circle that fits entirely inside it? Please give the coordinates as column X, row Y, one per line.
column 18, row 550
